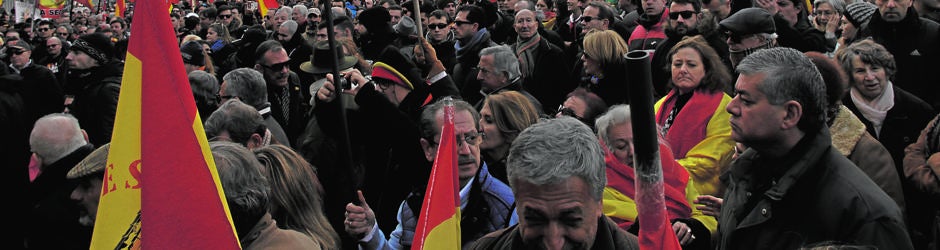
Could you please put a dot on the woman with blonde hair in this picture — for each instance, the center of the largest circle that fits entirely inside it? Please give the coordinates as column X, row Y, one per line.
column 217, row 36
column 503, row 117
column 296, row 200
column 603, row 61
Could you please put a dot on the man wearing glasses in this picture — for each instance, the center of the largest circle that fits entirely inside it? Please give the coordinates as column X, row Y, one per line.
column 287, row 105
column 748, row 31
column 472, row 37
column 482, row 211
column 441, row 36
column 684, row 19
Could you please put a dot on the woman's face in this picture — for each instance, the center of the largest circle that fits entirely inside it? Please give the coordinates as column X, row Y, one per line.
column 591, row 66
column 848, row 29
column 869, row 80
column 492, row 138
column 621, row 142
column 542, row 6
column 212, row 36
column 687, row 70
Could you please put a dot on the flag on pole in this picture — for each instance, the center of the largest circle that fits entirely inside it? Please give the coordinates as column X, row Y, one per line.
column 86, row 3
column 119, row 7
column 178, row 201
column 439, row 223
column 265, row 5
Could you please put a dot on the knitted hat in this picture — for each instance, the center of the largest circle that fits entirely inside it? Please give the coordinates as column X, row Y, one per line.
column 859, row 13
column 375, row 19
column 393, row 66
column 192, row 53
column 93, row 163
column 96, row 45
column 749, row 21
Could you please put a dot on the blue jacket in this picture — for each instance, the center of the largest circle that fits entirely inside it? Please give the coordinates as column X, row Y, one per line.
column 498, row 197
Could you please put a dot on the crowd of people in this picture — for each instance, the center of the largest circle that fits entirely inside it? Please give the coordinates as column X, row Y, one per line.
column 782, row 124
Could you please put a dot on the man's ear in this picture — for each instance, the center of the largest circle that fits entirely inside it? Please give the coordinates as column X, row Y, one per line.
column 255, row 141
column 85, row 135
column 794, row 112
column 428, row 150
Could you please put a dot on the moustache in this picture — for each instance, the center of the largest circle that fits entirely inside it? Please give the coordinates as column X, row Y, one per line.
column 466, row 159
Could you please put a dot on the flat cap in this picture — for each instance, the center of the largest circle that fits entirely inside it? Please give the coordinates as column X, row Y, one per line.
column 749, row 21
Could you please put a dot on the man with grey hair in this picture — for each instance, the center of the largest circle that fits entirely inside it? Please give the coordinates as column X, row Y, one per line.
column 247, row 85
column 58, row 143
column 283, row 87
column 282, row 15
column 557, row 172
column 498, row 70
column 791, row 187
column 286, row 31
column 237, row 122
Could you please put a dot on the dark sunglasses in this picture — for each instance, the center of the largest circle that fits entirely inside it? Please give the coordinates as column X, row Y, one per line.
column 225, row 16
column 42, row 29
column 276, row 67
column 17, row 51
column 313, row 16
column 458, row 22
column 588, row 19
column 685, row 14
column 437, row 26
column 736, row 38
column 62, row 34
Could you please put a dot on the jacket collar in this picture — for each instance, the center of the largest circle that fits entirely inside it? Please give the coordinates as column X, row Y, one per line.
column 784, row 171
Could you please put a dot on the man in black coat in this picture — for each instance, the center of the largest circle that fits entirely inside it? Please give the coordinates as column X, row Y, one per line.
column 95, row 82
column 284, row 91
column 41, row 94
column 58, row 143
column 791, row 187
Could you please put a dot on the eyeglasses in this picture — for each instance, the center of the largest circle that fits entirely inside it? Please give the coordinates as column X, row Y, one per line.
column 588, row 19
column 685, row 14
column 224, row 97
column 62, row 34
column 566, row 111
column 225, row 16
column 313, row 16
column 458, row 22
column 437, row 26
column 276, row 67
column 471, row 138
column 17, row 51
column 42, row 29
column 823, row 12
column 735, row 38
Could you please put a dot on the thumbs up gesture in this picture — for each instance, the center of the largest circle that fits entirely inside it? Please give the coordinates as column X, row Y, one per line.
column 359, row 219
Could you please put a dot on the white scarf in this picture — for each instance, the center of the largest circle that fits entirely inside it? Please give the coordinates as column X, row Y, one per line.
column 875, row 110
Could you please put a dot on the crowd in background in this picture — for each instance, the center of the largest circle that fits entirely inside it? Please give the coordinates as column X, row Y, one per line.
column 781, row 123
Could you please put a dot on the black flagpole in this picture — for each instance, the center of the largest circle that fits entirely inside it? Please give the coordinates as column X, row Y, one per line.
column 339, row 84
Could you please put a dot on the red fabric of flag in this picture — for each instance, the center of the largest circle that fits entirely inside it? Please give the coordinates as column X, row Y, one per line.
column 439, row 223
column 182, row 203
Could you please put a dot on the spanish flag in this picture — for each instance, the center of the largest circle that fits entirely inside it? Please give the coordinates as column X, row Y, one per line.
column 439, row 224
column 178, row 201
column 265, row 5
column 119, row 7
column 86, row 3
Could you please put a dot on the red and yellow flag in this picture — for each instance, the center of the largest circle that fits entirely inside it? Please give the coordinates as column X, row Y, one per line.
column 119, row 7
column 86, row 3
column 439, row 224
column 178, row 201
column 265, row 5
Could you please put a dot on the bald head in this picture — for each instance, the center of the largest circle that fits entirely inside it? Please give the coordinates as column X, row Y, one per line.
column 55, row 136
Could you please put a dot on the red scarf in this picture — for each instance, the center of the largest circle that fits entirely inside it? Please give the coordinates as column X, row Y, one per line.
column 690, row 125
column 675, row 180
